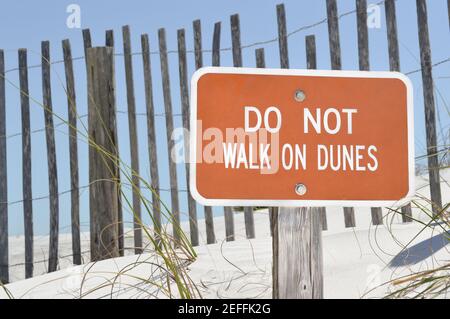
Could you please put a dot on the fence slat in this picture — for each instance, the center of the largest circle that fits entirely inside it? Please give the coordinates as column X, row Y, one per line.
column 282, row 37
column 26, row 162
column 216, row 45
column 430, row 110
column 169, row 129
column 4, row 270
column 391, row 31
column 236, row 40
column 311, row 63
column 134, row 148
column 103, row 190
column 364, row 65
column 73, row 153
column 184, row 93
column 51, row 157
column 227, row 211
column 87, row 42
column 237, row 62
column 284, row 64
column 196, row 25
column 151, row 133
column 261, row 63
column 109, row 42
column 363, row 35
column 394, row 65
column 209, row 217
column 335, row 55
column 260, row 58
column 109, row 38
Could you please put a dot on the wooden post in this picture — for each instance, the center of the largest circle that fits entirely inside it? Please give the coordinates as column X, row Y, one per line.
column 134, row 148
column 227, row 211
column 297, row 254
column 430, row 116
column 151, row 134
column 364, row 65
column 184, row 93
column 51, row 157
column 209, row 217
column 4, row 270
column 169, row 129
column 109, row 42
column 237, row 62
column 102, row 154
column 311, row 63
column 73, row 153
column 394, row 65
column 26, row 163
column 297, row 232
column 335, row 54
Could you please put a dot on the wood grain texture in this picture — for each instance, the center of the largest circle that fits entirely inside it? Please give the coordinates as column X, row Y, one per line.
column 311, row 64
column 134, row 146
column 26, row 163
column 392, row 35
column 184, row 94
column 227, row 211
column 103, row 192
column 73, row 152
column 51, row 157
column 364, row 65
column 333, row 33
column 336, row 64
column 196, row 25
column 209, row 218
column 151, row 134
column 236, row 40
column 430, row 109
column 4, row 251
column 394, row 65
column 363, row 35
column 109, row 42
column 282, row 37
column 169, row 129
column 299, row 262
column 87, row 41
column 198, row 54
column 216, row 45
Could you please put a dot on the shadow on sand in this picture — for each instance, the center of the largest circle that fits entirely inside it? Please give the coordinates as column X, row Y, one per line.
column 420, row 251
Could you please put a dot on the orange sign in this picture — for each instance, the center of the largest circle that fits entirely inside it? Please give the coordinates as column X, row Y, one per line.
column 301, row 138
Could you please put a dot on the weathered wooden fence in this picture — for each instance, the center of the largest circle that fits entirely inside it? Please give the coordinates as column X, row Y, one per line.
column 106, row 200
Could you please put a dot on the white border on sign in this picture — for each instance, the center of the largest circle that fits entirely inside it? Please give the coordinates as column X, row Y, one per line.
column 299, row 203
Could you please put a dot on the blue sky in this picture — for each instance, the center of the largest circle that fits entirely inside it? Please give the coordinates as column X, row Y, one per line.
column 26, row 23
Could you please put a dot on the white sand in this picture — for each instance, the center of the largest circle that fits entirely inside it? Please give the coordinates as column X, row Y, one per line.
column 355, row 260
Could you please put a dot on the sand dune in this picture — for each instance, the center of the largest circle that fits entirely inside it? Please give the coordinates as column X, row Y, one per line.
column 355, row 260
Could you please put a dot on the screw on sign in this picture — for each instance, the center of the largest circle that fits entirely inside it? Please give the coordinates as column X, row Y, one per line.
column 301, row 138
